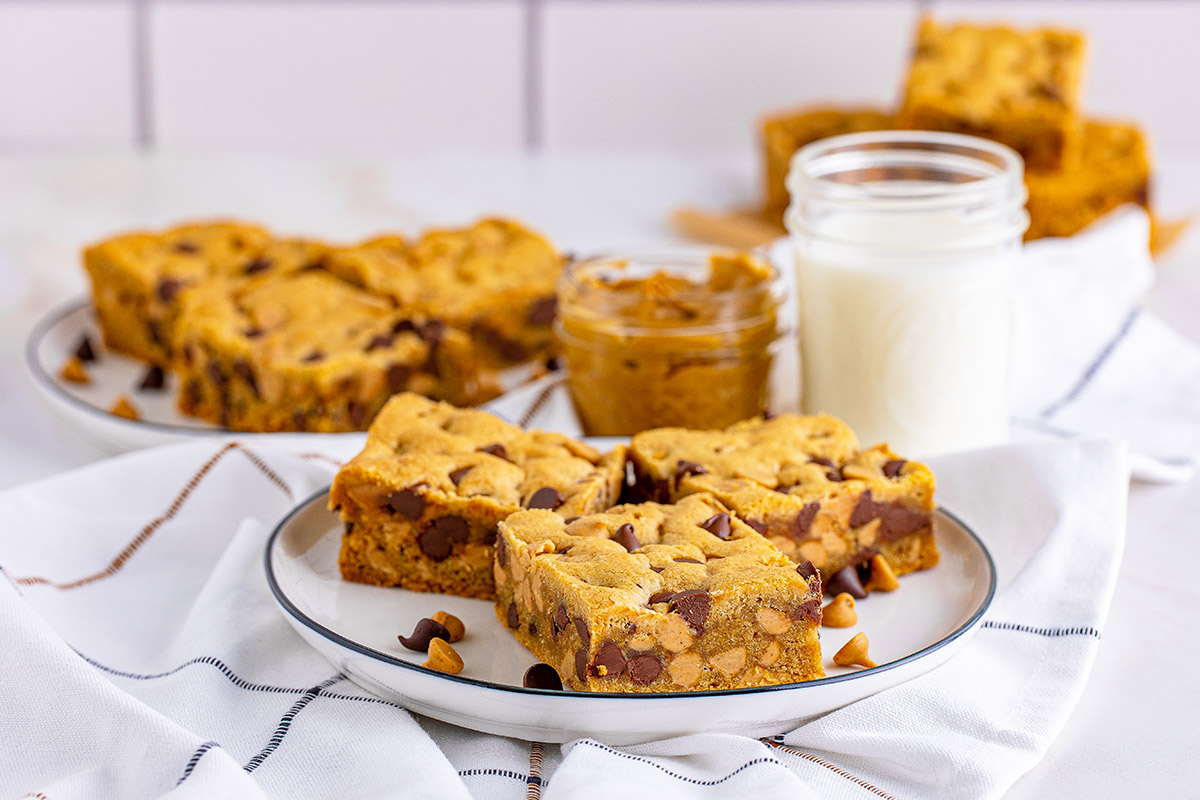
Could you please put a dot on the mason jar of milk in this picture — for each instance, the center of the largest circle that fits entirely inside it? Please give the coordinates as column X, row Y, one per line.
column 905, row 245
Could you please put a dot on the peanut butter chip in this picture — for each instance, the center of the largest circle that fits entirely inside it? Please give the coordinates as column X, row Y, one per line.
column 443, row 658
column 124, row 408
column 74, row 371
column 854, row 653
column 882, row 578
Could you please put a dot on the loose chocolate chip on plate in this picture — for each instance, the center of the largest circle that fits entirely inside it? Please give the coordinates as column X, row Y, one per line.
column 406, row 502
column 154, row 378
column 546, row 497
column 846, row 580
column 609, row 661
column 693, row 605
column 542, row 311
column 542, row 676
column 627, row 538
column 892, row 468
column 496, row 450
column 644, row 668
column 397, row 377
column 457, row 475
column 258, row 265
column 426, row 631
column 84, row 351
column 717, row 525
column 661, row 597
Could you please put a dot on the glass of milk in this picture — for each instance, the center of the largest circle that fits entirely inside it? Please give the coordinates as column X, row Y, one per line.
column 905, row 244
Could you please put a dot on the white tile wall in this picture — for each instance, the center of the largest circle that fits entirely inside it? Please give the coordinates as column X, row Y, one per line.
column 667, row 73
column 1144, row 60
column 66, row 74
column 358, row 74
column 413, row 74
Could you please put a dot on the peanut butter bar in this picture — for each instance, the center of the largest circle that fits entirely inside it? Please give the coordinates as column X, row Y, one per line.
column 1018, row 87
column 494, row 280
column 654, row 598
column 803, row 483
column 1114, row 169
column 786, row 132
column 421, row 502
column 308, row 352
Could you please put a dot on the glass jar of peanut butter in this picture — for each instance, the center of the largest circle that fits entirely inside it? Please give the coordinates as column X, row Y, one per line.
column 679, row 337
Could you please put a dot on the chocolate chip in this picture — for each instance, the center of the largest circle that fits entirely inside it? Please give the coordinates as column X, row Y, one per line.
column 154, row 331
column 403, row 326
column 357, row 413
column 661, row 597
column 501, row 552
column 865, row 510
column 846, row 580
column 258, row 265
column 768, row 414
column 426, row 631
column 216, row 373
column 186, row 247
column 717, row 525
column 757, row 525
column 542, row 676
column 585, row 636
column 644, row 668
column 546, row 497
column 809, row 609
column 682, row 560
column 154, row 378
column 84, row 351
column 899, row 521
column 513, row 618
column 824, row 462
column 581, row 664
column 553, row 364
column 253, row 332
column 685, row 468
column 627, row 538
column 491, row 536
column 167, row 288
column 496, row 450
column 313, row 357
column 380, row 341
column 432, row 331
column 299, row 420
column 609, row 661
column 397, row 377
column 542, row 311
column 892, row 468
column 436, row 540
column 693, row 605
column 457, row 475
column 512, row 350
column 802, row 524
column 806, row 569
column 406, row 502
column 561, row 619
column 657, row 569
column 569, row 520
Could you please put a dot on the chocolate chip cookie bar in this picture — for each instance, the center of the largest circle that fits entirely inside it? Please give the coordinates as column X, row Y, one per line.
column 1114, row 169
column 421, row 502
column 137, row 277
column 494, row 280
column 306, row 351
column 804, row 484
column 786, row 132
column 1018, row 87
column 656, row 598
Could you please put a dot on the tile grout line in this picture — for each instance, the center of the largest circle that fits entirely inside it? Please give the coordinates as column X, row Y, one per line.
column 143, row 84
column 532, row 87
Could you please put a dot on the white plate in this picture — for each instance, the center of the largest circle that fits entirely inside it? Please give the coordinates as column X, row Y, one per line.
column 85, row 407
column 355, row 626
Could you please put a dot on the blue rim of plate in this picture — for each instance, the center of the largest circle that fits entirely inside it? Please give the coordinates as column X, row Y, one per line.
column 54, row 317
column 290, row 608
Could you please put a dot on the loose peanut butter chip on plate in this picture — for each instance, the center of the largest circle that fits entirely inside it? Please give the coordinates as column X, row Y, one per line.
column 443, row 658
column 840, row 612
column 74, row 371
column 854, row 653
column 124, row 408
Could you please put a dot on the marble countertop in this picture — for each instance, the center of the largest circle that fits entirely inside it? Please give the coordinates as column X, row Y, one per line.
column 1134, row 728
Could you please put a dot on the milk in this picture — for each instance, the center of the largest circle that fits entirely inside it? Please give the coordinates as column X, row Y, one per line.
column 906, row 326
